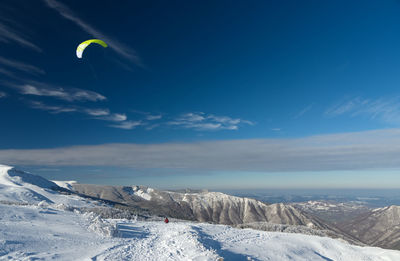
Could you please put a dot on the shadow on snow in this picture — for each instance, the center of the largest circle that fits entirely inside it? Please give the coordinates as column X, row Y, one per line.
column 130, row 231
column 323, row 257
column 212, row 244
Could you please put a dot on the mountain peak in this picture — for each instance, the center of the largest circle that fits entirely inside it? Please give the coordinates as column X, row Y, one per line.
column 11, row 176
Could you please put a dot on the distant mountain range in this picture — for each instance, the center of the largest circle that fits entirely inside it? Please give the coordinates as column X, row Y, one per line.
column 205, row 206
column 373, row 226
column 215, row 207
column 333, row 212
column 352, row 221
column 371, row 198
column 378, row 227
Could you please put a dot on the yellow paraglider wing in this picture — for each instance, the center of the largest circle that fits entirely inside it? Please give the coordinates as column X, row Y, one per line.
column 83, row 45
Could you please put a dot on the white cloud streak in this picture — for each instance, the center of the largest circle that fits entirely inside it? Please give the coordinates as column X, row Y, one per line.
column 303, row 111
column 127, row 125
column 379, row 149
column 70, row 95
column 10, row 35
column 153, row 117
column 97, row 112
column 3, row 94
column 117, row 117
column 118, row 47
column 385, row 109
column 55, row 109
column 202, row 122
column 120, row 120
column 20, row 66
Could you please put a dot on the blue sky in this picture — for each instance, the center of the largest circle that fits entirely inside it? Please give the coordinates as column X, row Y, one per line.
column 221, row 94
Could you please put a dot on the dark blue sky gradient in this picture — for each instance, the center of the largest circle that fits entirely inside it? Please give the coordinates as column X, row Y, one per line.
column 262, row 61
column 290, row 68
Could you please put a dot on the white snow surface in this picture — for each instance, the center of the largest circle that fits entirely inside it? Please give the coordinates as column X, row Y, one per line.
column 21, row 187
column 44, row 230
column 143, row 192
column 30, row 233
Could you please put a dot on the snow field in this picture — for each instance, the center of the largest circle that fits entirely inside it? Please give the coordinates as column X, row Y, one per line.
column 45, row 233
column 37, row 223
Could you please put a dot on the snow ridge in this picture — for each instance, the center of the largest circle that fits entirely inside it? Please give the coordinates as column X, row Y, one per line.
column 13, row 177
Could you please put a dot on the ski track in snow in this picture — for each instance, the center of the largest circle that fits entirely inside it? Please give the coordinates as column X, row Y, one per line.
column 158, row 241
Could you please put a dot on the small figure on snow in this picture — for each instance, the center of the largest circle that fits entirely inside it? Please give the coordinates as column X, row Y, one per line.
column 166, row 220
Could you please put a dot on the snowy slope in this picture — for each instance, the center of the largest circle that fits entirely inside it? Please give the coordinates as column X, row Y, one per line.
column 26, row 188
column 35, row 224
column 29, row 232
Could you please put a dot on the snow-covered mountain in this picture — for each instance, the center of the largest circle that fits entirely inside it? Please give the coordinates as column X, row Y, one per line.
column 375, row 227
column 202, row 206
column 332, row 211
column 26, row 188
column 216, row 207
column 379, row 227
column 41, row 221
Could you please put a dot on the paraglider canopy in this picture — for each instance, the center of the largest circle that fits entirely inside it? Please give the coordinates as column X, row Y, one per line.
column 82, row 46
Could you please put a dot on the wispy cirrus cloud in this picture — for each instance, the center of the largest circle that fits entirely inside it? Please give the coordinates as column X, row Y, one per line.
column 20, row 66
column 55, row 109
column 347, row 106
column 202, row 121
column 117, row 117
column 103, row 114
column 97, row 112
column 153, row 117
column 196, row 121
column 127, row 125
column 2, row 94
column 70, row 94
column 7, row 72
column 385, row 109
column 106, row 115
column 148, row 115
column 304, row 111
column 152, row 126
column 119, row 120
column 9, row 34
column 118, row 47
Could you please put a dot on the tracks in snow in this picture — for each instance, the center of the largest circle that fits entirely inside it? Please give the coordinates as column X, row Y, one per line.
column 173, row 241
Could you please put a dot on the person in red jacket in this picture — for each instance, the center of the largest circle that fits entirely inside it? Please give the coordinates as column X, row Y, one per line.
column 166, row 220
